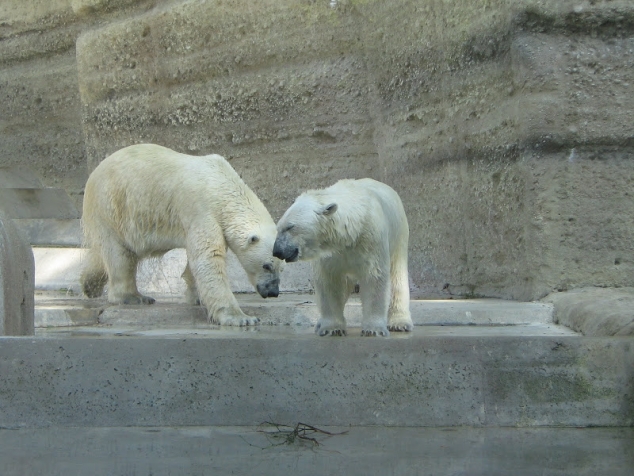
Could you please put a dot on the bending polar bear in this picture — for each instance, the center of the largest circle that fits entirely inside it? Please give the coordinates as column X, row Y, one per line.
column 145, row 200
column 356, row 231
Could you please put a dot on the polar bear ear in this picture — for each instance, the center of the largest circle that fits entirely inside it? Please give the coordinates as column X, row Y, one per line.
column 253, row 239
column 329, row 209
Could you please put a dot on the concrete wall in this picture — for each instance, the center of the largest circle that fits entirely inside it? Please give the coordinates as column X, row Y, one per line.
column 506, row 126
column 17, row 281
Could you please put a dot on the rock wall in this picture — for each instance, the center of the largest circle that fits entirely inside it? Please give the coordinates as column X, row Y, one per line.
column 506, row 126
column 40, row 111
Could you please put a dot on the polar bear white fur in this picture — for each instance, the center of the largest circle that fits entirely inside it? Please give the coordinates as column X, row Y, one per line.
column 145, row 200
column 356, row 231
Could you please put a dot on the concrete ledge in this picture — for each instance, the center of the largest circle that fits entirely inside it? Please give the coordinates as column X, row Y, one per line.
column 361, row 451
column 67, row 314
column 595, row 311
column 473, row 376
column 51, row 232
column 38, row 203
column 61, row 309
column 12, row 176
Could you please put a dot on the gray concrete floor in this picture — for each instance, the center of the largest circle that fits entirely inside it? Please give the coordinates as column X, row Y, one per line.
column 361, row 451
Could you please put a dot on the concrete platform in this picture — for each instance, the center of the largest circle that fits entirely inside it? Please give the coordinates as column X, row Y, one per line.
column 480, row 376
column 481, row 387
column 595, row 311
column 361, row 451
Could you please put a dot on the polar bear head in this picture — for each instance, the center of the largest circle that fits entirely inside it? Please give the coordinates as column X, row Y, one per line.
column 308, row 229
column 263, row 270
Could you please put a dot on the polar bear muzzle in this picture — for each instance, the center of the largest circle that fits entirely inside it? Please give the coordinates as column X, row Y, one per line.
column 285, row 249
column 270, row 289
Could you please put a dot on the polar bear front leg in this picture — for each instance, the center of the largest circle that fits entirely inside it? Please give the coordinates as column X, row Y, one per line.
column 206, row 261
column 375, row 296
column 331, row 291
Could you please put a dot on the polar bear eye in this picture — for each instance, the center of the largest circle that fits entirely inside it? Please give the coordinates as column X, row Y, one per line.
column 329, row 210
column 253, row 239
column 268, row 267
column 288, row 228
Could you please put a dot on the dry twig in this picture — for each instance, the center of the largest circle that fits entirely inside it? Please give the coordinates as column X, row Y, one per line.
column 290, row 435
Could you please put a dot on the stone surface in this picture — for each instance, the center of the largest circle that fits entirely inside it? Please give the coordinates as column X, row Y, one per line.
column 37, row 203
column 63, row 308
column 46, row 216
column 505, row 126
column 18, row 177
column 443, row 376
column 17, row 281
column 489, row 120
column 595, row 311
column 51, row 232
column 361, row 451
column 40, row 115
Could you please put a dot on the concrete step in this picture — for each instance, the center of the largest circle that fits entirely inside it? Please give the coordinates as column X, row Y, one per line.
column 436, row 376
column 360, row 451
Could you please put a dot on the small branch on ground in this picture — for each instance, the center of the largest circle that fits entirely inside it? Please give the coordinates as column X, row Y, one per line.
column 291, row 435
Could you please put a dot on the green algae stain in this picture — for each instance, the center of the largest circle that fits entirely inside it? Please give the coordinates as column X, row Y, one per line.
column 557, row 387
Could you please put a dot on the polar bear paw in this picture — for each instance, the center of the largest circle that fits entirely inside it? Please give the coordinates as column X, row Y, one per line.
column 136, row 299
column 401, row 325
column 327, row 327
column 233, row 319
column 241, row 321
column 371, row 331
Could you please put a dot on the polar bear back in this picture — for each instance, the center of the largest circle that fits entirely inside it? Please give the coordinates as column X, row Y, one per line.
column 141, row 189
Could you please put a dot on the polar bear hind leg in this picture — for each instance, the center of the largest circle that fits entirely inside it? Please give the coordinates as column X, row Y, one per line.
column 399, row 317
column 332, row 290
column 93, row 276
column 375, row 296
column 121, row 265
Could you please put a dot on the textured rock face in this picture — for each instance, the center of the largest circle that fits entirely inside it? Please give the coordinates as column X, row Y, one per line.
column 40, row 113
column 506, row 126
column 595, row 311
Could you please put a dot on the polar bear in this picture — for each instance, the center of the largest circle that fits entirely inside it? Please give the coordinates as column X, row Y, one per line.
column 356, row 231
column 145, row 200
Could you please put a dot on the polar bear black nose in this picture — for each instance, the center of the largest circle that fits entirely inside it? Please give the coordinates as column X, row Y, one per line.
column 270, row 289
column 285, row 249
column 278, row 250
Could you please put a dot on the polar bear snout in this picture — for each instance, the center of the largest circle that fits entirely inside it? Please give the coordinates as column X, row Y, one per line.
column 284, row 249
column 270, row 289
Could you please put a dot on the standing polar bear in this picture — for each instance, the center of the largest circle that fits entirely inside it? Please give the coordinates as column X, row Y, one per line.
column 356, row 231
column 145, row 200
